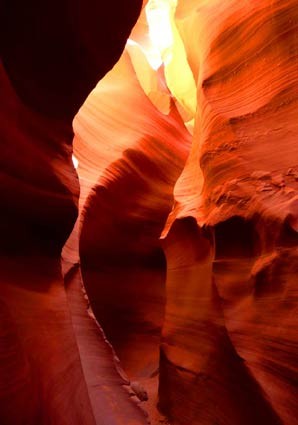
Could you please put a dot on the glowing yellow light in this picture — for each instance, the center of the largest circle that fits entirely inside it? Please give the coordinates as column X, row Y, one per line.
column 158, row 14
column 165, row 47
column 166, row 39
column 152, row 55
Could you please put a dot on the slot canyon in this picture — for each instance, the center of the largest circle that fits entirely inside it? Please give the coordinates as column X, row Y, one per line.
column 149, row 212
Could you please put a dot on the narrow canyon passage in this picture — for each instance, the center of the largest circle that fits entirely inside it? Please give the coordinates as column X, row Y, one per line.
column 123, row 266
column 149, row 212
column 122, row 262
column 123, row 270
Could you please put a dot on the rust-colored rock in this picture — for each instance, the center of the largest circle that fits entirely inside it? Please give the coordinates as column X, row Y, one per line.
column 123, row 265
column 239, row 186
column 190, row 138
column 52, row 54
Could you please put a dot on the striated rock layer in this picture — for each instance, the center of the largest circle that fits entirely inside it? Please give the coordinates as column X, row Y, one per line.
column 199, row 147
column 229, row 350
column 129, row 160
column 227, row 309
column 52, row 54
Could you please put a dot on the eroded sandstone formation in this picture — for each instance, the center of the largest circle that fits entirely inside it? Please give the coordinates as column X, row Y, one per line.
column 130, row 196
column 179, row 276
column 52, row 54
column 244, row 161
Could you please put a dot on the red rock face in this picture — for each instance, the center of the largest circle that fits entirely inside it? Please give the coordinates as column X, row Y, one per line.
column 178, row 283
column 239, row 301
column 122, row 262
column 52, row 54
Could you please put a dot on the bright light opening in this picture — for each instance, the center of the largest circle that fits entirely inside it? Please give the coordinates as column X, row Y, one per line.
column 158, row 13
column 75, row 161
column 152, row 55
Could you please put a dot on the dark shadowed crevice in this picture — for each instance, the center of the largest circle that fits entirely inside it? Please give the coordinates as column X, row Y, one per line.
column 203, row 379
column 235, row 238
column 123, row 264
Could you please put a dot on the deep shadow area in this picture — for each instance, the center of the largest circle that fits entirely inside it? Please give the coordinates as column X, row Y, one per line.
column 234, row 238
column 123, row 265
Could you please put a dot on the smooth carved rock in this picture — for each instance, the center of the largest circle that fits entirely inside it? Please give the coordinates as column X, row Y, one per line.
column 52, row 54
column 129, row 162
column 202, row 151
column 245, row 59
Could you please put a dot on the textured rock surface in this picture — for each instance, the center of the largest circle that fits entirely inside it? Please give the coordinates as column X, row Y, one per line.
column 52, row 54
column 230, row 333
column 41, row 376
column 132, row 157
column 106, row 382
column 209, row 315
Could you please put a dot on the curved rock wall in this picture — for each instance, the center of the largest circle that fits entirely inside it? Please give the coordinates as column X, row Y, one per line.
column 130, row 155
column 229, row 354
column 52, row 54
column 211, row 311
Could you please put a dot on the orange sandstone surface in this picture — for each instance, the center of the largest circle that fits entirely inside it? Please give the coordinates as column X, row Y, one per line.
column 149, row 187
